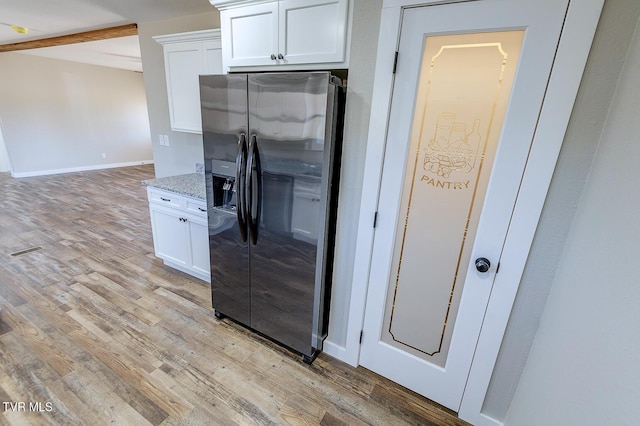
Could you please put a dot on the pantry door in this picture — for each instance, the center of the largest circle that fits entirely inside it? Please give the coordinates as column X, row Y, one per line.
column 469, row 86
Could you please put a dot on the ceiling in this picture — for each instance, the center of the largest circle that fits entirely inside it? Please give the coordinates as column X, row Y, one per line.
column 50, row 18
column 121, row 52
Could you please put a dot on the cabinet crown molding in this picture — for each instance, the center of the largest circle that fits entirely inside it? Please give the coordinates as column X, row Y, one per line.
column 202, row 35
column 229, row 4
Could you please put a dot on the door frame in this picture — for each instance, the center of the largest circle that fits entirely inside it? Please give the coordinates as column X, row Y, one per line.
column 573, row 49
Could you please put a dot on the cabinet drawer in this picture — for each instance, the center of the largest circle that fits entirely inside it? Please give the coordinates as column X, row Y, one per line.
column 196, row 207
column 165, row 198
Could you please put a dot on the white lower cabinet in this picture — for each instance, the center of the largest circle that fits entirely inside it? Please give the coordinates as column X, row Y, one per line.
column 169, row 235
column 180, row 232
column 199, row 236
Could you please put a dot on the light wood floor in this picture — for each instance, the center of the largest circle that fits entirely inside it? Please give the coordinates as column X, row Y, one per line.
column 98, row 331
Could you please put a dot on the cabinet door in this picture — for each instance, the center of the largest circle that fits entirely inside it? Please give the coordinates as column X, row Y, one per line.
column 312, row 31
column 199, row 247
column 170, row 237
column 212, row 58
column 183, row 64
column 250, row 34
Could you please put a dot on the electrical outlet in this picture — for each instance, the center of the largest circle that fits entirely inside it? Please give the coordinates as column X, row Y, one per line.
column 161, row 140
column 104, row 155
column 166, row 140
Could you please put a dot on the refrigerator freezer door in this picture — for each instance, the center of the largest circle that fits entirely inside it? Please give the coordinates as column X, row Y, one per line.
column 288, row 121
column 224, row 130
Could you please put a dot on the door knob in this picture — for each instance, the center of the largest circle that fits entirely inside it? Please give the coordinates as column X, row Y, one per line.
column 482, row 264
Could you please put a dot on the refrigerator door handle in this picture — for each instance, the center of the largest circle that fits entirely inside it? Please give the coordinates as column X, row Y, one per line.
column 253, row 190
column 241, row 168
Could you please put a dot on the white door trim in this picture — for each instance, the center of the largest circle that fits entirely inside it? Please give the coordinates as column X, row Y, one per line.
column 575, row 42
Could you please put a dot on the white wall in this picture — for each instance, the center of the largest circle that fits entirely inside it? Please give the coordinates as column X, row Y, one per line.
column 5, row 165
column 606, row 60
column 60, row 115
column 583, row 366
column 185, row 149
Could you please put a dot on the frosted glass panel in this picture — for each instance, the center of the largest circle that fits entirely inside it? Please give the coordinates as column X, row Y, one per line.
column 461, row 101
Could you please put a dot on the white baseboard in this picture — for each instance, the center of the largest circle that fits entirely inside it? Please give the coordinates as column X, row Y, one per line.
column 336, row 351
column 485, row 420
column 79, row 169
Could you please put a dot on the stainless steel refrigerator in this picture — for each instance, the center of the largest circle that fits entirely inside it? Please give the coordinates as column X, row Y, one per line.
column 272, row 147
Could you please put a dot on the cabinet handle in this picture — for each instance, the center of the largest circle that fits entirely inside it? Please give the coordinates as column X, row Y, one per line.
column 182, row 219
column 201, row 209
column 273, row 57
column 280, row 56
column 165, row 199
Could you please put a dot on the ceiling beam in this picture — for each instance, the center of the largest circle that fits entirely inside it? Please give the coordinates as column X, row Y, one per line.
column 94, row 35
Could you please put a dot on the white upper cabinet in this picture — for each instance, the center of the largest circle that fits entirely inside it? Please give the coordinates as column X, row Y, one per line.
column 186, row 56
column 250, row 34
column 212, row 56
column 285, row 34
column 312, row 31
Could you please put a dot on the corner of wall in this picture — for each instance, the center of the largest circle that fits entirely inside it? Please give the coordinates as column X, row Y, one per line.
column 185, row 148
column 604, row 66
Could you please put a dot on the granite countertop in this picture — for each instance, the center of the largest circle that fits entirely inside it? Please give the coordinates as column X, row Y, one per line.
column 191, row 185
